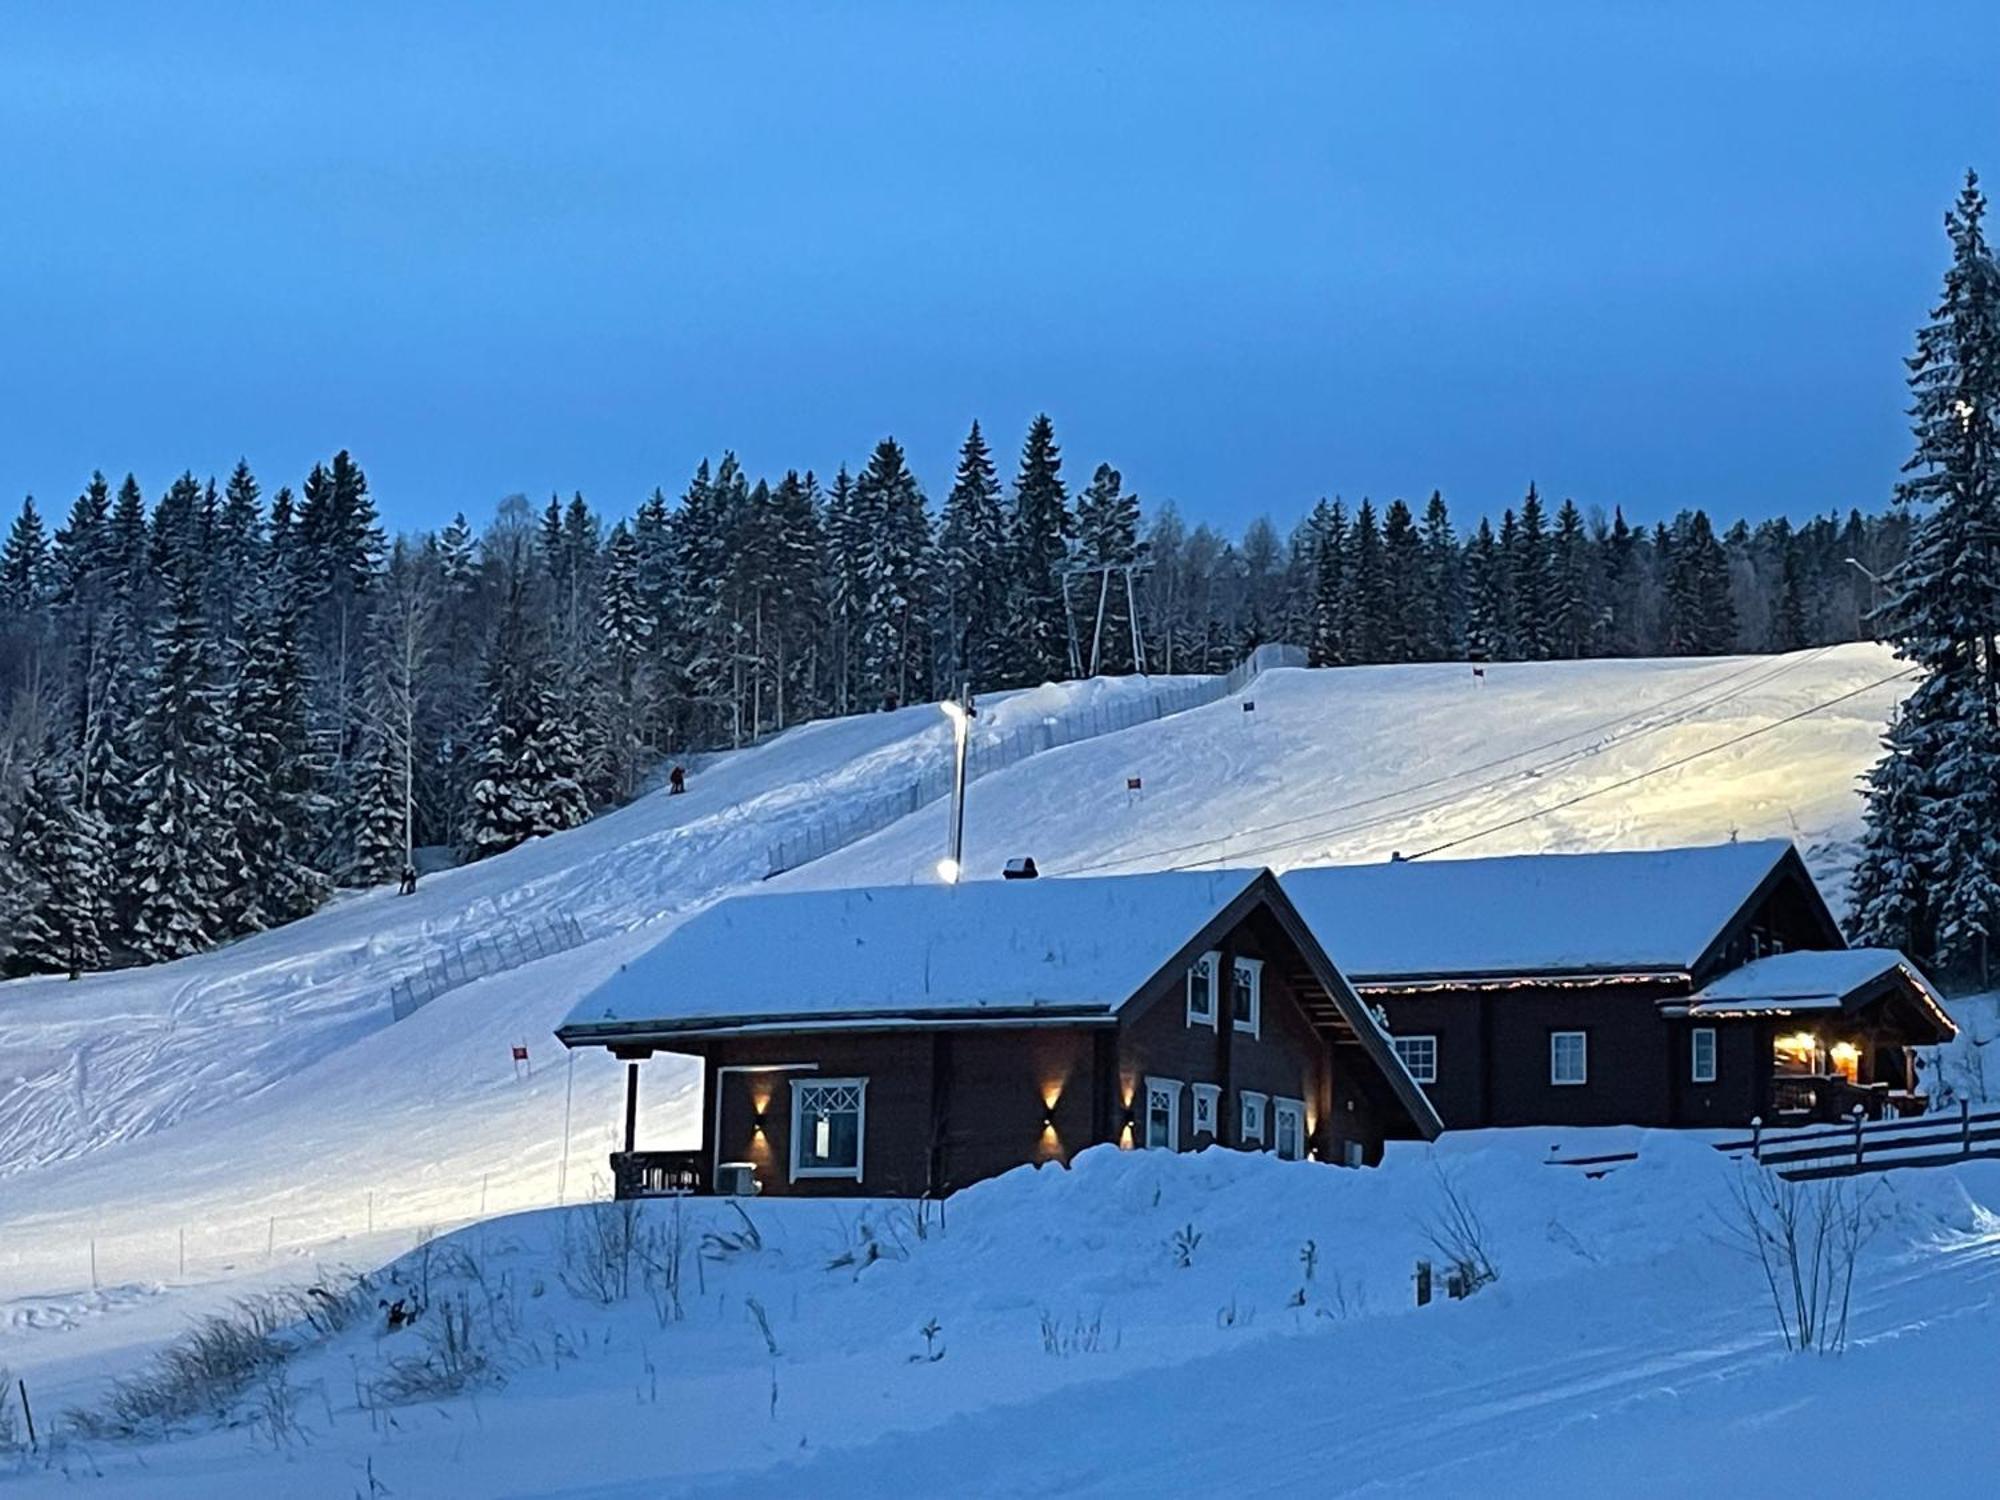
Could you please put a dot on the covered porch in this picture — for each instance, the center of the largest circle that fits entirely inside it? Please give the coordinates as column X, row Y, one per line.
column 1840, row 1030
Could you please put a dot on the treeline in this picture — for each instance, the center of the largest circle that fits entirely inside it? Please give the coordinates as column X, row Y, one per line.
column 216, row 708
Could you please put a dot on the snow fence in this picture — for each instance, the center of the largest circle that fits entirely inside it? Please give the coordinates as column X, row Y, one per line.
column 992, row 752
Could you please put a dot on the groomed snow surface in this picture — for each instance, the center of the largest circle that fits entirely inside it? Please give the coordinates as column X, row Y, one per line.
column 172, row 1137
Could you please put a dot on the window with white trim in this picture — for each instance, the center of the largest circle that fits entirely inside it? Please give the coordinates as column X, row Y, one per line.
column 1201, row 990
column 1569, row 1057
column 1246, row 995
column 1701, row 1054
column 1163, row 1114
column 828, row 1126
column 1207, row 1108
column 1419, row 1054
column 1252, row 1125
column 1288, row 1128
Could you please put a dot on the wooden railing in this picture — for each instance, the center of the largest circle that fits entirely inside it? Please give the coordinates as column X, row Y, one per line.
column 657, row 1174
column 1865, row 1145
column 1860, row 1145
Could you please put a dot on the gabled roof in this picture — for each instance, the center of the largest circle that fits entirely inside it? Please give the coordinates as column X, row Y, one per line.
column 1625, row 911
column 1070, row 947
column 1841, row 980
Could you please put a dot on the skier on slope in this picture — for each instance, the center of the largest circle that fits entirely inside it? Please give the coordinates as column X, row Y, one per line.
column 676, row 781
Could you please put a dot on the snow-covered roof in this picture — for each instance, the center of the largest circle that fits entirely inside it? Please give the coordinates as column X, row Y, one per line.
column 1806, row 981
column 1532, row 913
column 1066, row 946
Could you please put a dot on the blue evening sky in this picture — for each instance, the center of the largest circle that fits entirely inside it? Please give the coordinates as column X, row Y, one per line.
column 1659, row 254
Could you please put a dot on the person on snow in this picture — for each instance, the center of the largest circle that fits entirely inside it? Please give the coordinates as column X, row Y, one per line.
column 676, row 782
column 408, row 886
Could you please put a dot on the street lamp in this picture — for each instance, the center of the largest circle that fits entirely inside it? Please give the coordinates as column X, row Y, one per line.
column 961, row 713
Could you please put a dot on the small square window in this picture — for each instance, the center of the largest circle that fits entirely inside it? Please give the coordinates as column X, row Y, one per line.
column 1569, row 1057
column 1201, row 990
column 1419, row 1055
column 1701, row 1054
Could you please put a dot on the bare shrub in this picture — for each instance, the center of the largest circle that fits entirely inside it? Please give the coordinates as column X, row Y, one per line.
column 1458, row 1233
column 721, row 1244
column 274, row 1407
column 1183, row 1245
column 862, row 1253
column 197, row 1376
column 756, row 1309
column 1806, row 1238
column 598, row 1243
column 1078, row 1336
column 461, row 1350
column 933, row 1350
column 662, row 1250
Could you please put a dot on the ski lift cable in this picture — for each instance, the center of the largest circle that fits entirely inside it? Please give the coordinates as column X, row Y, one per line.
column 1671, row 765
column 1361, row 826
column 1641, row 726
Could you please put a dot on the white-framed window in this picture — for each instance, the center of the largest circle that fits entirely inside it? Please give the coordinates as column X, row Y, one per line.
column 1246, row 995
column 1252, row 1123
column 1288, row 1128
column 1201, row 990
column 1207, row 1108
column 1701, row 1054
column 1569, row 1057
column 1352, row 1154
column 829, row 1126
column 1419, row 1055
column 1163, row 1114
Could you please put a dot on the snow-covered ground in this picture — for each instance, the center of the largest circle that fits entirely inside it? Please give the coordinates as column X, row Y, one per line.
column 1150, row 1324
column 245, row 1113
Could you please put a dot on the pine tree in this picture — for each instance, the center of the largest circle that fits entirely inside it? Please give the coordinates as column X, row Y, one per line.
column 1107, row 539
column 846, row 592
column 179, row 857
column 972, row 571
column 895, row 656
column 1528, row 571
column 625, row 627
column 1485, row 608
column 1443, row 604
column 1406, row 625
column 1930, row 870
column 1039, row 534
column 1571, row 595
column 1362, row 608
column 24, row 562
column 1328, row 647
column 62, row 872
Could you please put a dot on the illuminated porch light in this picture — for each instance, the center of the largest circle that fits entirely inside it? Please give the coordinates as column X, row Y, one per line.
column 948, row 870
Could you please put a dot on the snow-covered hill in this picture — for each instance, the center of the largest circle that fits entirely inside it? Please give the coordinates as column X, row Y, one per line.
column 241, row 1113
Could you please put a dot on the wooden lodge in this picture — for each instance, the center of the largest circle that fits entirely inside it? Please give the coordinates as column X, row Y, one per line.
column 1679, row 987
column 914, row 1039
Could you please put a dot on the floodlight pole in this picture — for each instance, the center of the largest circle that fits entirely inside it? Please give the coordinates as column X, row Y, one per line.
column 961, row 713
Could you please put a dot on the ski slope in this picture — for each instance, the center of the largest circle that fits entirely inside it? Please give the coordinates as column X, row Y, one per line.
column 172, row 1134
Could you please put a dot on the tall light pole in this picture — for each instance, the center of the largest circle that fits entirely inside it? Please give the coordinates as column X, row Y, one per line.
column 961, row 713
column 1874, row 586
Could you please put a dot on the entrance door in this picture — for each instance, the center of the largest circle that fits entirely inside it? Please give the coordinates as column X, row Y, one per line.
column 1163, row 1114
column 1290, row 1128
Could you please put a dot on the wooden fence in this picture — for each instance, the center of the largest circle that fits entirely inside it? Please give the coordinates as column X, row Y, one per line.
column 1820, row 1151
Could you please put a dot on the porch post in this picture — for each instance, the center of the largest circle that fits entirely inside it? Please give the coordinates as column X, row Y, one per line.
column 631, row 1104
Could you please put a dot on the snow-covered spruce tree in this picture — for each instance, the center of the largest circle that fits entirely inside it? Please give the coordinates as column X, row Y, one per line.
column 895, row 580
column 24, row 562
column 1443, row 608
column 1700, row 614
column 1038, row 537
column 624, row 633
column 61, row 865
column 1107, row 538
column 1528, row 572
column 972, row 572
column 790, row 611
column 181, row 849
column 841, row 581
column 1929, row 875
column 1328, row 645
column 1405, row 604
column 1572, row 601
column 1362, row 605
column 1483, row 630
